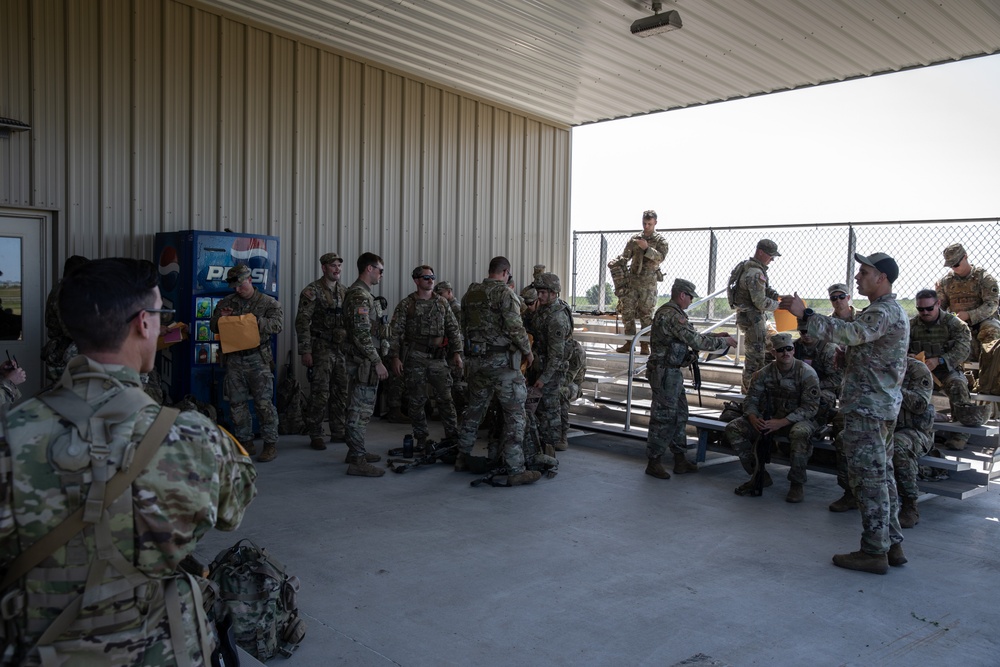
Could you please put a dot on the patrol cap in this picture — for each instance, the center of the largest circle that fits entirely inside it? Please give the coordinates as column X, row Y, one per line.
column 882, row 262
column 442, row 286
column 837, row 288
column 650, row 214
column 768, row 246
column 237, row 274
column 953, row 254
column 547, row 281
column 681, row 285
column 330, row 258
column 529, row 295
column 781, row 340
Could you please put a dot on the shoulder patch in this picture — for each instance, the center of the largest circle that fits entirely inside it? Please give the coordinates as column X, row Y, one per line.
column 362, row 310
column 309, row 293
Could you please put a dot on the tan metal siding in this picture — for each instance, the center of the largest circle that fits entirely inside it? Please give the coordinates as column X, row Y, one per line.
column 15, row 103
column 159, row 116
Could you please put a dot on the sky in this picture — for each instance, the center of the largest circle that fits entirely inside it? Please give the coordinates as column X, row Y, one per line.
column 922, row 144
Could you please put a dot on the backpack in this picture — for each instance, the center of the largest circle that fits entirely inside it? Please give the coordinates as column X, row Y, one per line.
column 989, row 369
column 260, row 597
column 734, row 281
column 291, row 403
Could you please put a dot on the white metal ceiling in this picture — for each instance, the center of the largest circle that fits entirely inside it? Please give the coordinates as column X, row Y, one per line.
column 576, row 62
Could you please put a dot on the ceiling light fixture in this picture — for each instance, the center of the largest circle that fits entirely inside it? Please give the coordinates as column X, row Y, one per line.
column 657, row 23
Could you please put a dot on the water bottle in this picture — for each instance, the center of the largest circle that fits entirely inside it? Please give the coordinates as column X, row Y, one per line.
column 408, row 446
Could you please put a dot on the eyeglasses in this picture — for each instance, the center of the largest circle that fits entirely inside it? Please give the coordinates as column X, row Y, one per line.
column 381, row 269
column 429, row 276
column 164, row 312
column 787, row 348
column 926, row 309
column 838, row 297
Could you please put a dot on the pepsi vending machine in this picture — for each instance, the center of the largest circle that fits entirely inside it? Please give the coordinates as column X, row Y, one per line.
column 193, row 266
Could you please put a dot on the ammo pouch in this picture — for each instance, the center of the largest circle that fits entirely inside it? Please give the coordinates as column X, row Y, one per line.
column 655, row 373
column 367, row 373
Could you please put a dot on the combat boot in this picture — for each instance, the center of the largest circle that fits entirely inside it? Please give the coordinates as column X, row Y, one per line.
column 624, row 348
column 462, row 462
column 746, row 488
column 682, row 465
column 656, row 469
column 863, row 562
column 644, row 348
column 396, row 416
column 561, row 445
column 269, row 453
column 370, row 457
column 909, row 515
column 249, row 447
column 895, row 555
column 845, row 503
column 317, row 443
column 364, row 469
column 795, row 493
column 524, row 477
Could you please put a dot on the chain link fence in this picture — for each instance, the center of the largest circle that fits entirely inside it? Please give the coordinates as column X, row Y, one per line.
column 813, row 257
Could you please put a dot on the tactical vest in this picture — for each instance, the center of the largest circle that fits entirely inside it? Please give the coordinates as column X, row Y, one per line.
column 426, row 328
column 92, row 578
column 328, row 315
column 785, row 391
column 483, row 319
column 934, row 340
column 540, row 333
column 963, row 293
column 741, row 293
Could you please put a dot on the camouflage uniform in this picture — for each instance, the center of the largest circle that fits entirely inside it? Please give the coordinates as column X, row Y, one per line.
column 319, row 325
column 792, row 395
column 947, row 338
column 671, row 340
column 572, row 386
column 195, row 481
column 367, row 343
column 59, row 348
column 424, row 335
column 914, row 428
column 638, row 299
column 876, row 361
column 978, row 295
column 553, row 329
column 495, row 339
column 8, row 392
column 754, row 298
column 248, row 372
column 822, row 357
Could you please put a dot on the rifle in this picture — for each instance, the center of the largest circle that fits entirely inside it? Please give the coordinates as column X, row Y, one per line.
column 547, row 469
column 696, row 377
column 433, row 452
column 761, row 453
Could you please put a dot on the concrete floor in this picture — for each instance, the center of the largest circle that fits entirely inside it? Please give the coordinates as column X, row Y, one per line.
column 604, row 565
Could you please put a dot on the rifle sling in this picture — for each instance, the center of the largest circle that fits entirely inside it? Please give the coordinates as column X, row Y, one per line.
column 73, row 524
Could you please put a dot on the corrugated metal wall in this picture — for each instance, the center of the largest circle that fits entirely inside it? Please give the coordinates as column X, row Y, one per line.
column 154, row 116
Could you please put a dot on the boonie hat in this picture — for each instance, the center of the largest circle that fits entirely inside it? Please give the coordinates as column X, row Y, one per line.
column 330, row 258
column 882, row 262
column 768, row 246
column 681, row 285
column 237, row 274
column 953, row 254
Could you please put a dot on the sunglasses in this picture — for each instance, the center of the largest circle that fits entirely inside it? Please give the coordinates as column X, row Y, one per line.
column 927, row 309
column 838, row 297
column 381, row 270
column 164, row 312
column 787, row 348
column 429, row 276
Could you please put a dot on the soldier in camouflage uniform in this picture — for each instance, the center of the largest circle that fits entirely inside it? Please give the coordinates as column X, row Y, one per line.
column 639, row 265
column 495, row 339
column 945, row 342
column 876, row 361
column 553, row 331
column 367, row 343
column 822, row 357
column 912, row 438
column 59, row 348
column 424, row 335
column 754, row 299
column 783, row 401
column 458, row 386
column 843, row 309
column 571, row 389
column 10, row 377
column 122, row 562
column 319, row 326
column 248, row 372
column 672, row 341
column 972, row 294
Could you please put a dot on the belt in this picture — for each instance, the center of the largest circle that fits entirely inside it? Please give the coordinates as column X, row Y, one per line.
column 422, row 347
column 244, row 353
column 491, row 349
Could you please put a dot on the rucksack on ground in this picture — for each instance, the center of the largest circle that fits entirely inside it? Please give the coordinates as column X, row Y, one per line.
column 260, row 597
column 291, row 403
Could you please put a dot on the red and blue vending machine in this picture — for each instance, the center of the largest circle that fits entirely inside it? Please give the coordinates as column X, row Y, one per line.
column 193, row 266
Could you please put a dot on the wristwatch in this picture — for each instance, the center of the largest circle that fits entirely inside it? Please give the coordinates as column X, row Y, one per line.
column 807, row 313
column 941, row 361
